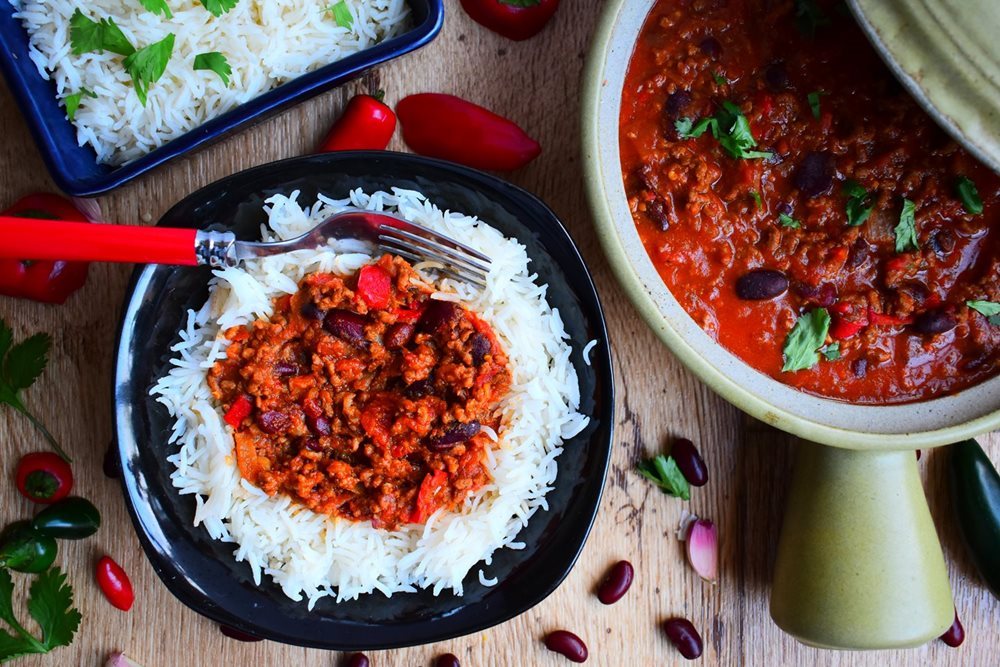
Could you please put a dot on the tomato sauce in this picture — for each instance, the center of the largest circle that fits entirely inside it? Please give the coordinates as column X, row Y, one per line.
column 363, row 398
column 824, row 113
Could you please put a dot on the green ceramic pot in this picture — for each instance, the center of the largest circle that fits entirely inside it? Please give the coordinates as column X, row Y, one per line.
column 859, row 563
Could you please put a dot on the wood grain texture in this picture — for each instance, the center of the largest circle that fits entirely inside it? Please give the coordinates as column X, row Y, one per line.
column 538, row 84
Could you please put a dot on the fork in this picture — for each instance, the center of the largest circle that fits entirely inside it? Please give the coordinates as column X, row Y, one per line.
column 43, row 239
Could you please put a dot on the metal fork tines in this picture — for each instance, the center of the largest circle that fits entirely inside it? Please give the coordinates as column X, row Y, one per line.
column 419, row 244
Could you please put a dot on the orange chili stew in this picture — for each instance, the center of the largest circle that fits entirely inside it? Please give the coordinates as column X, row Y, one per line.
column 803, row 209
column 364, row 398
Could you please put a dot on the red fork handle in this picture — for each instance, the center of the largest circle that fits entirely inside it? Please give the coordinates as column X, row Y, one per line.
column 31, row 238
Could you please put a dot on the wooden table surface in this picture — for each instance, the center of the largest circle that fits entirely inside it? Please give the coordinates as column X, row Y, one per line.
column 538, row 84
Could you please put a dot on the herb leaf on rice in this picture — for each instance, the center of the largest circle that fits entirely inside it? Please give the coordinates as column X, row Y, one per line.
column 87, row 36
column 158, row 7
column 215, row 62
column 219, row 7
column 148, row 64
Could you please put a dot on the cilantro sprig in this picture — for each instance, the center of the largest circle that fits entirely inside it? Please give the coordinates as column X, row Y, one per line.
column 219, row 7
column 664, row 472
column 814, row 102
column 21, row 366
column 50, row 603
column 729, row 127
column 859, row 203
column 965, row 188
column 87, row 36
column 802, row 346
column 786, row 220
column 906, row 230
column 72, row 102
column 989, row 309
column 342, row 14
column 158, row 7
column 148, row 64
column 215, row 62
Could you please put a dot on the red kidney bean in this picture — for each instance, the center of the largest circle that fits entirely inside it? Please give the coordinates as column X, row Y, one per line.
column 345, row 324
column 238, row 635
column 675, row 104
column 438, row 315
column 419, row 389
column 111, row 465
column 761, row 284
column 273, row 421
column 616, row 582
column 318, row 425
column 690, row 462
column 684, row 637
column 567, row 644
column 399, row 335
column 710, row 47
column 313, row 445
column 114, row 583
column 934, row 322
column 860, row 251
column 311, row 311
column 447, row 660
column 859, row 367
column 955, row 634
column 358, row 660
column 285, row 369
column 453, row 435
column 776, row 77
column 481, row 346
column 814, row 175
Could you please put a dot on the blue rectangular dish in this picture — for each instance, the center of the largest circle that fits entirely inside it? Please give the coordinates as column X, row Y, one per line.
column 75, row 169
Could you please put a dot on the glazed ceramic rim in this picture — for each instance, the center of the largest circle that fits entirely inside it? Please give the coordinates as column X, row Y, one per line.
column 748, row 398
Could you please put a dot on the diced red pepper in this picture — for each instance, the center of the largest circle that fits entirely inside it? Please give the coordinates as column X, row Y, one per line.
column 897, row 263
column 427, row 497
column 841, row 308
column 883, row 320
column 409, row 316
column 376, row 420
column 374, row 286
column 238, row 411
column 842, row 329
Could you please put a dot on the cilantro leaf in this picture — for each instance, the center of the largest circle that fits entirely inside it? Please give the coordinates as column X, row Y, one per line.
column 906, row 230
column 757, row 199
column 786, row 220
column 157, row 7
column 989, row 309
column 51, row 605
column 688, row 129
column 966, row 190
column 813, row 99
column 663, row 471
column 719, row 79
column 804, row 340
column 86, row 36
column 72, row 102
column 342, row 14
column 218, row 7
column 859, row 205
column 831, row 351
column 729, row 127
column 14, row 647
column 809, row 17
column 215, row 62
column 148, row 64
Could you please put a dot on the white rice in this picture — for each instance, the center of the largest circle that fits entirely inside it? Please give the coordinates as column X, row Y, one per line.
column 311, row 555
column 267, row 42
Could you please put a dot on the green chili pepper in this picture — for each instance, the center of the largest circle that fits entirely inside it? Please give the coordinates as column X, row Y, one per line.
column 975, row 487
column 24, row 549
column 71, row 518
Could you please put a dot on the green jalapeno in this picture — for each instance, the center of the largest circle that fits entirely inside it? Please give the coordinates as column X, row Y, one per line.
column 975, row 487
column 71, row 518
column 24, row 549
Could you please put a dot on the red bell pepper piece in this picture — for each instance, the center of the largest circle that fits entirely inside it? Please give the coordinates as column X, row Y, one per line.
column 883, row 320
column 842, row 329
column 366, row 124
column 427, row 501
column 374, row 286
column 238, row 411
column 45, row 281
column 451, row 128
column 408, row 315
column 514, row 19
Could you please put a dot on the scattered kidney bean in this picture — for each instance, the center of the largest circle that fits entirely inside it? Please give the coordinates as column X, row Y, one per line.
column 616, row 582
column 776, row 77
column 675, row 104
column 447, row 660
column 934, row 322
column 453, row 435
column 955, row 634
column 481, row 346
column 285, row 369
column 438, row 315
column 815, row 174
column 114, row 583
column 345, row 324
column 859, row 367
column 419, row 389
column 710, row 47
column 318, row 425
column 311, row 311
column 567, row 644
column 238, row 635
column 684, row 637
column 399, row 335
column 273, row 421
column 860, row 250
column 358, row 660
column 761, row 284
column 690, row 462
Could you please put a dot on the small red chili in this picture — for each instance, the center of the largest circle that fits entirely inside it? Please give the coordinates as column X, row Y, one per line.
column 842, row 329
column 374, row 286
column 448, row 127
column 955, row 635
column 45, row 281
column 238, row 411
column 114, row 583
column 366, row 124
column 514, row 19
column 44, row 477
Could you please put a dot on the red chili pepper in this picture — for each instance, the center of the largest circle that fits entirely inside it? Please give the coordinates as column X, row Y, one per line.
column 841, row 329
column 366, row 124
column 451, row 128
column 44, row 477
column 238, row 411
column 374, row 286
column 426, row 496
column 114, row 583
column 45, row 281
column 514, row 19
column 881, row 319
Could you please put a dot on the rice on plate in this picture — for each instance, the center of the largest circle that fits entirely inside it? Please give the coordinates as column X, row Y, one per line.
column 311, row 555
column 263, row 43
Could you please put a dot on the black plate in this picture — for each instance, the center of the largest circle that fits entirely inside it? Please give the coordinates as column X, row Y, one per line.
column 200, row 571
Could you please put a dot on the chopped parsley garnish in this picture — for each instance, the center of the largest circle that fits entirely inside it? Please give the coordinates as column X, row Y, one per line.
column 729, row 127
column 859, row 203
column 218, row 7
column 72, row 102
column 989, row 309
column 148, row 64
column 801, row 349
column 967, row 192
column 786, row 220
column 719, row 79
column 215, row 62
column 906, row 230
column 50, row 604
column 86, row 36
column 756, row 197
column 831, row 352
column 342, row 15
column 809, row 17
column 158, row 7
column 663, row 471
column 813, row 99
